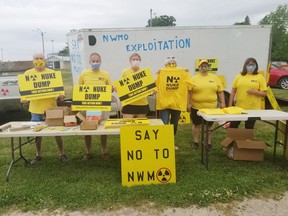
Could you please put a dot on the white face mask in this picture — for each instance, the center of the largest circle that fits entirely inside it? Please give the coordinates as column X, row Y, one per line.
column 135, row 63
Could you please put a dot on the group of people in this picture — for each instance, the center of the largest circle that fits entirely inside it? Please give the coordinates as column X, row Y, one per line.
column 176, row 91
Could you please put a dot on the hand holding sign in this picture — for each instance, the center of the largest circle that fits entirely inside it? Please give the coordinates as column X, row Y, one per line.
column 135, row 86
column 40, row 85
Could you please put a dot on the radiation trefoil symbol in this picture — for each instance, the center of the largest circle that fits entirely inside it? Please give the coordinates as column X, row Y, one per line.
column 86, row 88
column 4, row 92
column 163, row 175
column 176, row 79
column 127, row 81
column 33, row 77
column 182, row 118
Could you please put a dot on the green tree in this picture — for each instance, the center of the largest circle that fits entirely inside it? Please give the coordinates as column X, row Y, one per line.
column 279, row 21
column 64, row 51
column 245, row 22
column 162, row 20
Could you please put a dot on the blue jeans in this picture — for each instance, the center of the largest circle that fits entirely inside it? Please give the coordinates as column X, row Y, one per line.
column 37, row 117
column 175, row 115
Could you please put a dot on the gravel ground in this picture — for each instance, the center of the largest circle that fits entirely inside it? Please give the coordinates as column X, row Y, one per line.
column 253, row 207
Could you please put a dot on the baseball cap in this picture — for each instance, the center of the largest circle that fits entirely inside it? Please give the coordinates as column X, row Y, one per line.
column 203, row 61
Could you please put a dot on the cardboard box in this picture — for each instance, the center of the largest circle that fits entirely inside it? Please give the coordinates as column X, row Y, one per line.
column 55, row 116
column 241, row 145
column 70, row 120
column 87, row 124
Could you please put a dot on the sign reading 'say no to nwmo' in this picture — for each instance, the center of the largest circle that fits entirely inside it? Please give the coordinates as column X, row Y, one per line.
column 147, row 155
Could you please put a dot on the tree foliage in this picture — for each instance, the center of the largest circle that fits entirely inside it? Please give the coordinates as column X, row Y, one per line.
column 162, row 20
column 64, row 51
column 279, row 21
column 245, row 22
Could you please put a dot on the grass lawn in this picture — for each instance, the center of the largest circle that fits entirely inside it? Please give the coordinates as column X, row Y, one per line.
column 96, row 184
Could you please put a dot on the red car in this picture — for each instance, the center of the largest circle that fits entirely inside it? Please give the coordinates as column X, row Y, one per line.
column 278, row 77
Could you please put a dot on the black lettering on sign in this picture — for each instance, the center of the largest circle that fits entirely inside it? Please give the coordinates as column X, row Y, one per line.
column 48, row 76
column 165, row 153
column 146, row 135
column 41, row 84
column 134, row 154
column 135, row 85
column 92, row 96
column 140, row 176
column 139, row 75
column 99, row 89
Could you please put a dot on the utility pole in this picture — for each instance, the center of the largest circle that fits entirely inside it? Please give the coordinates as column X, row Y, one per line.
column 2, row 54
column 150, row 24
column 52, row 53
column 52, row 41
column 42, row 37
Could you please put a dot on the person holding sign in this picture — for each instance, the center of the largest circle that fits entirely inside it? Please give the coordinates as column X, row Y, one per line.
column 95, row 76
column 204, row 90
column 139, row 108
column 249, row 87
column 38, row 107
column 172, row 86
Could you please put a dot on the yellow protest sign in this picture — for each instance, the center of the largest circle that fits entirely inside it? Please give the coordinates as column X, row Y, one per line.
column 213, row 65
column 184, row 118
column 40, row 85
column 90, row 97
column 116, row 123
column 135, row 86
column 147, row 155
column 272, row 99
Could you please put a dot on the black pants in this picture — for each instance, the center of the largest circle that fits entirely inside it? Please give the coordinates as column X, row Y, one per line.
column 249, row 124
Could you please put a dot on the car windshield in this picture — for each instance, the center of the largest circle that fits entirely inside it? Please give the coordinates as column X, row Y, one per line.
column 274, row 66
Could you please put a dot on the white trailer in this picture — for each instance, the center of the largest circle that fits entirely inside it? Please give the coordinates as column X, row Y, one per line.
column 231, row 45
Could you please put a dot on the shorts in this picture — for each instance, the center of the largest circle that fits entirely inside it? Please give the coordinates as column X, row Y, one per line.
column 196, row 119
column 37, row 117
column 133, row 109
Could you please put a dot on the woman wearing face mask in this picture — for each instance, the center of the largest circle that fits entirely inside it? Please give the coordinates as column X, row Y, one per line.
column 139, row 108
column 95, row 76
column 172, row 86
column 204, row 91
column 249, row 87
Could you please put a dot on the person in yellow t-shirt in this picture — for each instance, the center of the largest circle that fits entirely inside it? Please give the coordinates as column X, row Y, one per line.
column 204, row 91
column 249, row 87
column 38, row 107
column 95, row 76
column 172, row 87
column 139, row 108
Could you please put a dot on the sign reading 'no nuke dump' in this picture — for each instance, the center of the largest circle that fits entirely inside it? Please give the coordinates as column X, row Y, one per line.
column 40, row 85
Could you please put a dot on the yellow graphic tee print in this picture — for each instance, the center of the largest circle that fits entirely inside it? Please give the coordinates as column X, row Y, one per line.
column 172, row 84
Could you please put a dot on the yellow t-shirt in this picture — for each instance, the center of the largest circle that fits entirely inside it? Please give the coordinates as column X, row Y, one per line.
column 172, row 88
column 204, row 90
column 249, row 82
column 41, row 105
column 90, row 77
column 142, row 101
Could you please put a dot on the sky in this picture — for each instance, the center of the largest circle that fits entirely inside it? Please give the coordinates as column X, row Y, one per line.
column 22, row 22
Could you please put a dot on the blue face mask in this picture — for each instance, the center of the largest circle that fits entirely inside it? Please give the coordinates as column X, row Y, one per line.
column 95, row 65
column 251, row 68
